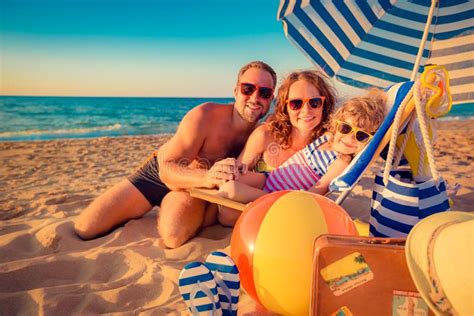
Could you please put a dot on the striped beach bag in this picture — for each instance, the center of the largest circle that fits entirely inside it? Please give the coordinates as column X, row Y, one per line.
column 400, row 199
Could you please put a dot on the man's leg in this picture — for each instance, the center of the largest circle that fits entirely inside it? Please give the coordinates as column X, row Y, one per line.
column 228, row 216
column 181, row 216
column 210, row 215
column 117, row 205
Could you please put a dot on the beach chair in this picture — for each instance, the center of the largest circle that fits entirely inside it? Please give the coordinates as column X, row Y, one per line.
column 401, row 108
column 401, row 104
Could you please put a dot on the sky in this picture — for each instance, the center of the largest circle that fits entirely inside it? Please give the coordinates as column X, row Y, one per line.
column 153, row 48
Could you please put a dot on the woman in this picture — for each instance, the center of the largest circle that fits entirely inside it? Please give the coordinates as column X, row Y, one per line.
column 293, row 125
column 305, row 101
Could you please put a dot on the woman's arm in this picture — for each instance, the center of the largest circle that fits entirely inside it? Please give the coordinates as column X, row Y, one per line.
column 255, row 146
column 334, row 170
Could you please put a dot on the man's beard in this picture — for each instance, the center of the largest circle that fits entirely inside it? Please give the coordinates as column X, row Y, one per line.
column 251, row 118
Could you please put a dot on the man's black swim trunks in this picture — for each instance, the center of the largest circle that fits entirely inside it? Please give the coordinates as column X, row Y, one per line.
column 147, row 180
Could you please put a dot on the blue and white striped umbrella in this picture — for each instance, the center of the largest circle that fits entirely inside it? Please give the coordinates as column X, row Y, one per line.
column 375, row 42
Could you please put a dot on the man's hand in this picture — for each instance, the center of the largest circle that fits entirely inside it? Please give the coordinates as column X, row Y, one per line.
column 223, row 171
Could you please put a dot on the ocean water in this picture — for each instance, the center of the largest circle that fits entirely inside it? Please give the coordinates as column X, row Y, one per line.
column 44, row 118
column 460, row 112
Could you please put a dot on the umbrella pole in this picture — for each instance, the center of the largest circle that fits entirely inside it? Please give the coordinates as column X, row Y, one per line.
column 423, row 40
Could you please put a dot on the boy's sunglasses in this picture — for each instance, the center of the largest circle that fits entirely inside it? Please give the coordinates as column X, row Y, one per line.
column 297, row 104
column 249, row 88
column 346, row 128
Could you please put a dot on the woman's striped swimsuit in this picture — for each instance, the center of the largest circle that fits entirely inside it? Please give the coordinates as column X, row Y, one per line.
column 302, row 170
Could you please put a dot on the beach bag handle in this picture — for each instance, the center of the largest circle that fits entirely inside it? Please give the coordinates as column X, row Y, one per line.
column 399, row 199
column 420, row 103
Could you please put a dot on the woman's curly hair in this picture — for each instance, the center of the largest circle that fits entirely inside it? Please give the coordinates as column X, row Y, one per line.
column 279, row 122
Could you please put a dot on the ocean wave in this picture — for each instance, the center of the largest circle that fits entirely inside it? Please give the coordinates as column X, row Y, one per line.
column 74, row 131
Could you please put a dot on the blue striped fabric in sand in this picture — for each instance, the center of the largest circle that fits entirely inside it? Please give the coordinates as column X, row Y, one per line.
column 227, row 277
column 199, row 289
column 352, row 174
column 375, row 42
column 398, row 206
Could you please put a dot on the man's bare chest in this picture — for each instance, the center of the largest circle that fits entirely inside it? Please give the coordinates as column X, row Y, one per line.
column 222, row 146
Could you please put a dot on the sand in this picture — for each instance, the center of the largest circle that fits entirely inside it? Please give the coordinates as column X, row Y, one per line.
column 46, row 269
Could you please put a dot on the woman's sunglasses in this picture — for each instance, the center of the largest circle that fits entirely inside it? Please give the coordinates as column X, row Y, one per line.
column 249, row 88
column 346, row 128
column 297, row 104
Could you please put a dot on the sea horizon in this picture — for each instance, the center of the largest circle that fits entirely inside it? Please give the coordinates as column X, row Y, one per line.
column 39, row 118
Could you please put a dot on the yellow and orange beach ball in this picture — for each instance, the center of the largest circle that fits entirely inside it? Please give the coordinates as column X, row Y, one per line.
column 272, row 245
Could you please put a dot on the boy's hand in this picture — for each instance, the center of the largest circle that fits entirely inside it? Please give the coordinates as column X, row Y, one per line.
column 228, row 189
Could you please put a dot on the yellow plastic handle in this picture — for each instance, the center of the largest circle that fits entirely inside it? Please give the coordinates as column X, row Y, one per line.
column 436, row 79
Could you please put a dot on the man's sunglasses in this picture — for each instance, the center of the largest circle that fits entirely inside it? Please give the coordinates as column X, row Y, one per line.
column 297, row 104
column 346, row 128
column 249, row 88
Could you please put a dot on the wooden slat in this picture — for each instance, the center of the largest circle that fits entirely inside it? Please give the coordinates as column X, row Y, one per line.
column 211, row 196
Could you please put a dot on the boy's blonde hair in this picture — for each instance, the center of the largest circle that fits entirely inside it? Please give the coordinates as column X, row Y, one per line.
column 367, row 112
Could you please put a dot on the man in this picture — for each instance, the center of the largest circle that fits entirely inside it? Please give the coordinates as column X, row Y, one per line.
column 196, row 156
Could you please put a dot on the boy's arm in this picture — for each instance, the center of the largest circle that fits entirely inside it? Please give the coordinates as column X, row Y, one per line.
column 183, row 148
column 334, row 170
column 240, row 192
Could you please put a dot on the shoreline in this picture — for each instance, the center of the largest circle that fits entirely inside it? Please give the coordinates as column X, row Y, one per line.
column 444, row 121
column 167, row 135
